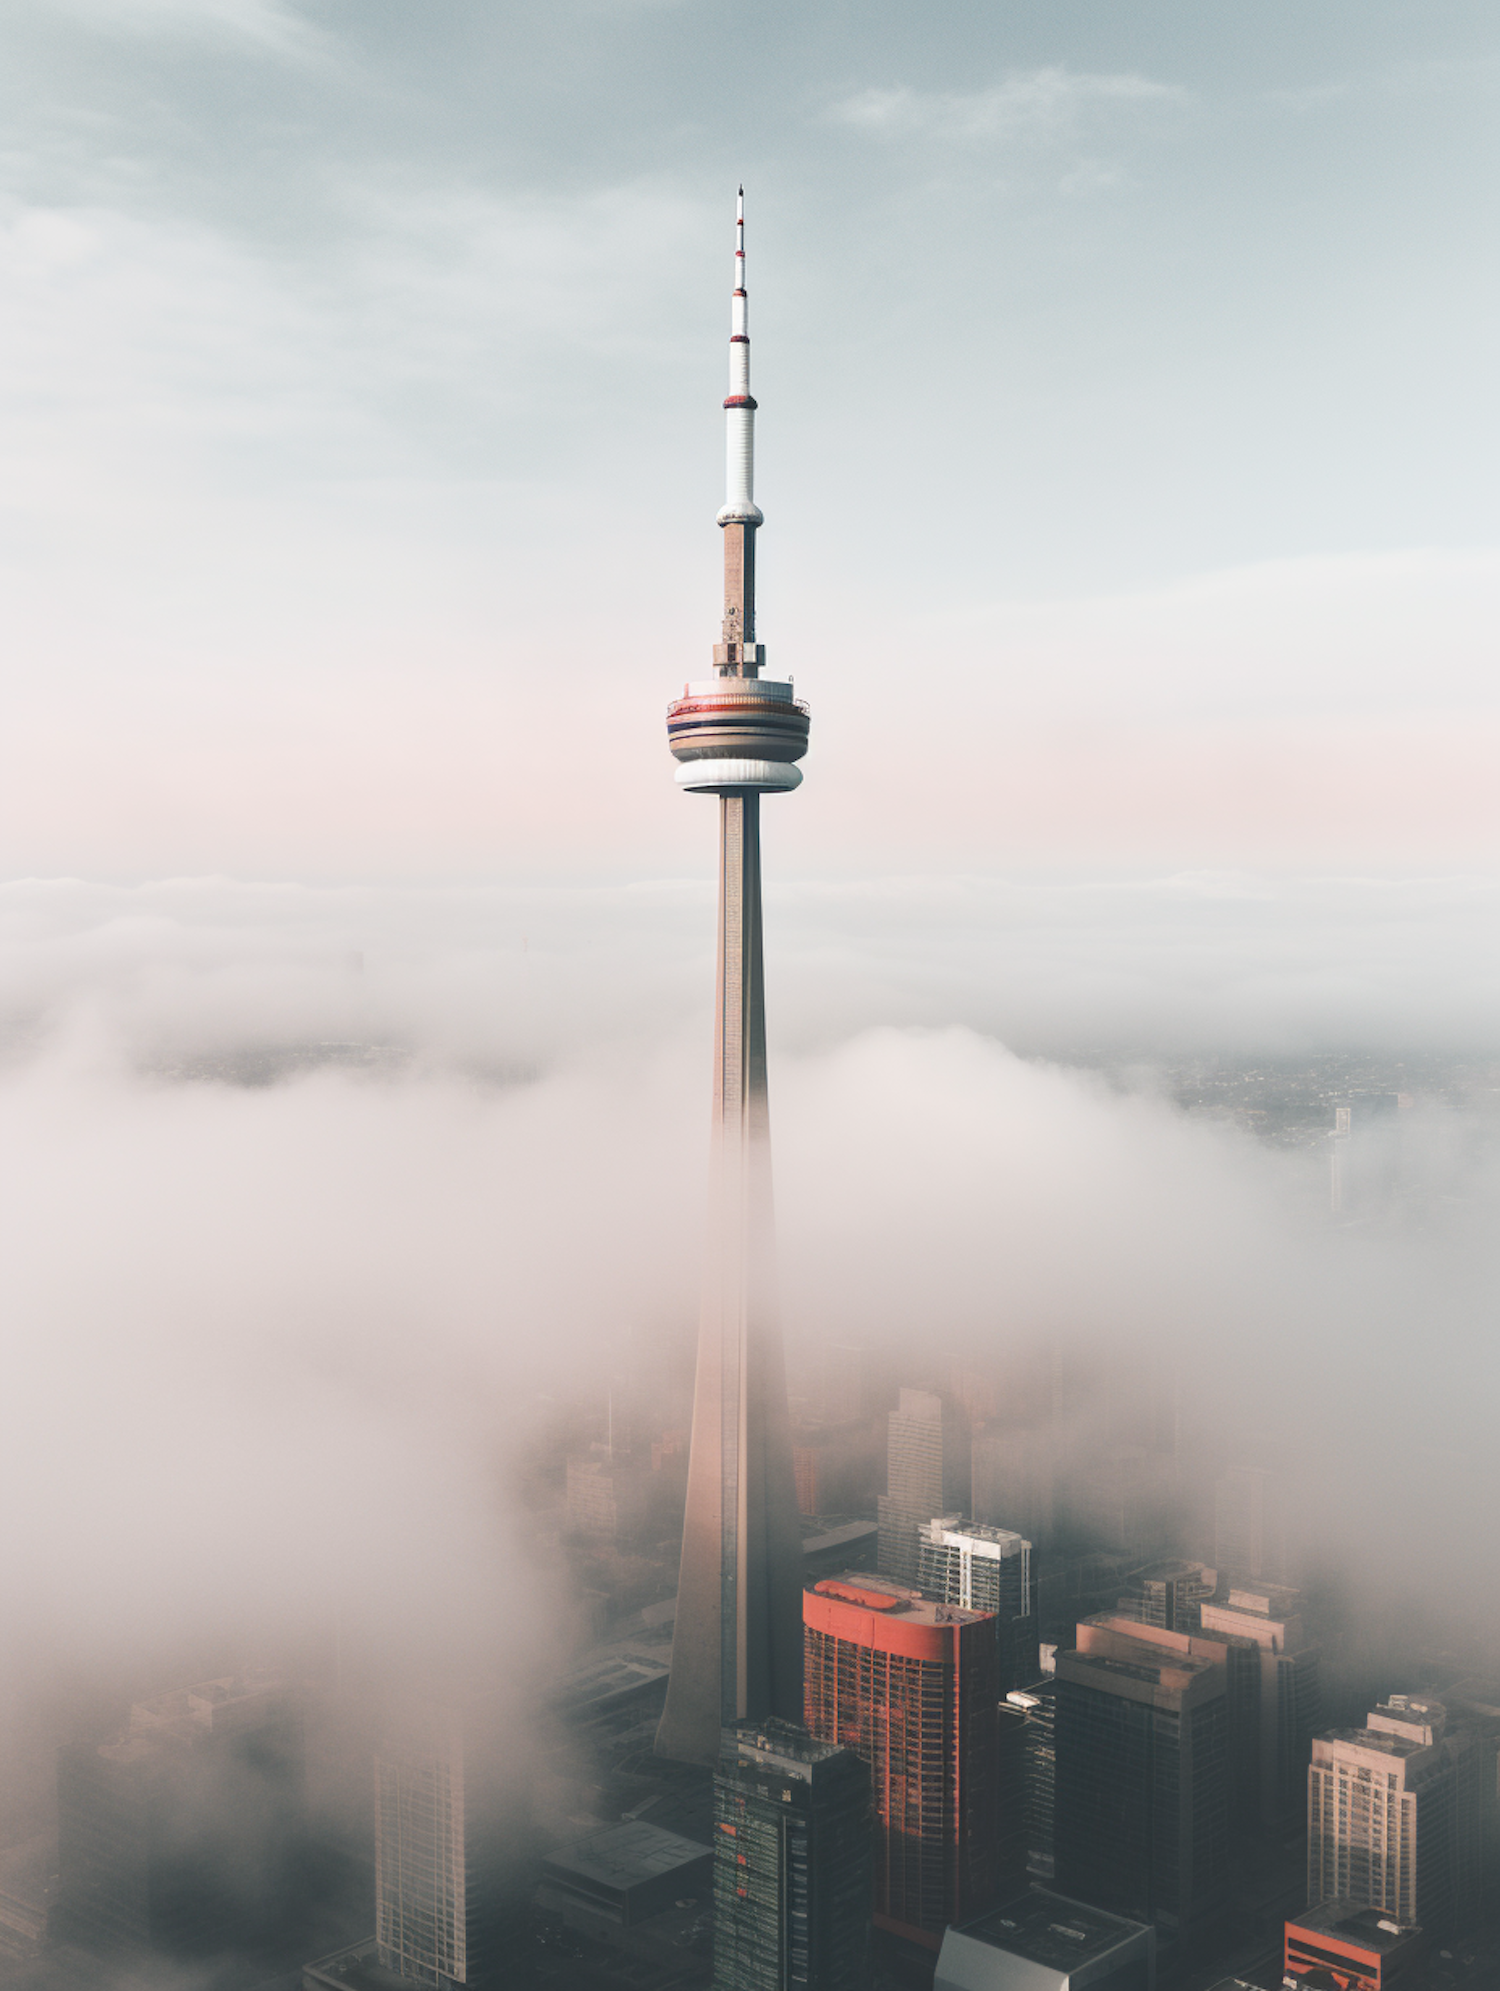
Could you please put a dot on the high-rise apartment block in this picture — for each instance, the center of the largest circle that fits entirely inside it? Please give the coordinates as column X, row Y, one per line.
column 984, row 1569
column 792, row 1862
column 179, row 1833
column 912, row 1687
column 1142, row 1784
column 1395, row 1816
column 448, row 1845
column 1290, row 1691
column 927, row 1473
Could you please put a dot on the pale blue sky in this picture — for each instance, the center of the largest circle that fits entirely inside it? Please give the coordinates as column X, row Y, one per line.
column 1126, row 379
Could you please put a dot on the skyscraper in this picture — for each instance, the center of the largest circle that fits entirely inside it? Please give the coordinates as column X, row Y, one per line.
column 986, row 1569
column 792, row 1873
column 1142, row 1784
column 912, row 1686
column 927, row 1473
column 1241, row 1660
column 449, row 1842
column 1290, row 1692
column 179, row 1833
column 736, row 1650
column 1395, row 1816
column 1037, row 1705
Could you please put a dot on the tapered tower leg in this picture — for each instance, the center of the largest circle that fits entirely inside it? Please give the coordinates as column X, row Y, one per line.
column 737, row 1645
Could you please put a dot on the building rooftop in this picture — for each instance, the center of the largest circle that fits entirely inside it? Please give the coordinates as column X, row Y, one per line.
column 1264, row 1600
column 1383, row 1743
column 356, row 1968
column 1138, row 1659
column 610, row 1680
column 187, row 1715
column 777, row 1741
column 974, row 1535
column 895, row 1600
column 843, row 1536
column 625, row 1855
column 1356, row 1923
column 1050, row 1929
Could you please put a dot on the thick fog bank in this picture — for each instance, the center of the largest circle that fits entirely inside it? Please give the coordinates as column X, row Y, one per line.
column 318, row 1202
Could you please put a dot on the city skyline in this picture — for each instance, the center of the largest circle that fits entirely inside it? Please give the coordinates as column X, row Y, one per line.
column 1122, row 1340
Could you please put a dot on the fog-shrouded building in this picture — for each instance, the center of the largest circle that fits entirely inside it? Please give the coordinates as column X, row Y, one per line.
column 927, row 1473
column 1254, row 1530
column 1395, row 1816
column 793, row 1877
column 985, row 1569
column 834, row 1466
column 180, row 1833
column 607, row 1498
column 450, row 1844
column 912, row 1687
column 1041, row 1941
column 1290, row 1693
column 1013, row 1482
column 1365, row 1156
column 1143, row 1785
column 1169, row 1593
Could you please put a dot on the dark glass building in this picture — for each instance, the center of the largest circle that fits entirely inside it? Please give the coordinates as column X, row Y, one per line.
column 1142, row 1785
column 1037, row 1706
column 793, row 1881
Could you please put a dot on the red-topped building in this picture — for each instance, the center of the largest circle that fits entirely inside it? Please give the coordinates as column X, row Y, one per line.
column 912, row 1686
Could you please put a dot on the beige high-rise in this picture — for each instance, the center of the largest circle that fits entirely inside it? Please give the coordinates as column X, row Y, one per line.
column 1393, row 1816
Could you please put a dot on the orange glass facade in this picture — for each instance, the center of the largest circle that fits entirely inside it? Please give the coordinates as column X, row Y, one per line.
column 912, row 1687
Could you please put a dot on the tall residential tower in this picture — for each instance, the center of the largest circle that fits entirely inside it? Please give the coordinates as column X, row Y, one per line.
column 737, row 1645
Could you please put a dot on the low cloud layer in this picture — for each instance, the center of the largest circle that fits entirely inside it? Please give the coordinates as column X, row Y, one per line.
column 278, row 1345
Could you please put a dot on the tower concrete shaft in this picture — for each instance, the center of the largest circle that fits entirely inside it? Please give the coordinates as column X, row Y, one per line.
column 737, row 1642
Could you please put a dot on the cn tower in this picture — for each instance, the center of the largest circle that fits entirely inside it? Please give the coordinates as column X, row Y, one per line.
column 737, row 1642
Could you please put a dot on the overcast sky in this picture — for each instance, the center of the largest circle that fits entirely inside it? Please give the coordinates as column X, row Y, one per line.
column 1126, row 445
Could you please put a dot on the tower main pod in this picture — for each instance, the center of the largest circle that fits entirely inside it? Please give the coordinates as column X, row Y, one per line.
column 737, row 1642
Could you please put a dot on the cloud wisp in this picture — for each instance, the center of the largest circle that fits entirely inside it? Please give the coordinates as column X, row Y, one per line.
column 1036, row 106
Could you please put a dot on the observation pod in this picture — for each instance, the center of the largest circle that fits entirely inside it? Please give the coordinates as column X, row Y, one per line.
column 737, row 735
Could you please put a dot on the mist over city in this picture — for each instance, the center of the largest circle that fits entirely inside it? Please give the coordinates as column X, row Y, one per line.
column 533, row 1456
